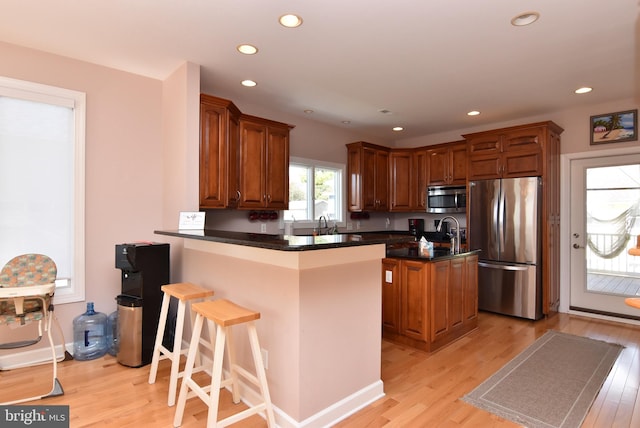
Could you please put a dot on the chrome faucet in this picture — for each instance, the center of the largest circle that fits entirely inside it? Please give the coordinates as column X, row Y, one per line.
column 456, row 247
column 326, row 225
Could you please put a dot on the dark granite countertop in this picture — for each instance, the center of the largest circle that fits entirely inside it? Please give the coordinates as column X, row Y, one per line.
column 412, row 253
column 290, row 242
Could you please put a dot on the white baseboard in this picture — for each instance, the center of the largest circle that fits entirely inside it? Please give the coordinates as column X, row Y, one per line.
column 32, row 357
column 324, row 418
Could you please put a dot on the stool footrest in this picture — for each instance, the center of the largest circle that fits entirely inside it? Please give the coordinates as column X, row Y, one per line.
column 247, row 375
column 241, row 415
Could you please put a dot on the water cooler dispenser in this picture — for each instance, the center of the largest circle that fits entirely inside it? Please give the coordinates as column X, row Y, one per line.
column 145, row 268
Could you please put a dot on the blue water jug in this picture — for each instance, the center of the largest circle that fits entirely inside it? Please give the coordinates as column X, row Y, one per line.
column 89, row 335
column 112, row 333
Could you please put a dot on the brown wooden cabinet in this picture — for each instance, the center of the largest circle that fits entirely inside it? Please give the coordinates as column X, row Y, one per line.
column 421, row 178
column 219, row 161
column 264, row 164
column 510, row 152
column 391, row 295
column 429, row 304
column 408, row 179
column 414, row 314
column 368, row 172
column 244, row 160
column 448, row 164
column 401, row 180
column 527, row 151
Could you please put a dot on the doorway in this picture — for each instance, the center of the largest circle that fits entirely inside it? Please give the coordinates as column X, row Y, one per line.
column 604, row 208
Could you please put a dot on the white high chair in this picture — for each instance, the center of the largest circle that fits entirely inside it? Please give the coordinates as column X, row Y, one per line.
column 27, row 284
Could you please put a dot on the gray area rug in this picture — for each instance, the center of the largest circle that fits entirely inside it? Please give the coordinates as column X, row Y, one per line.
column 552, row 383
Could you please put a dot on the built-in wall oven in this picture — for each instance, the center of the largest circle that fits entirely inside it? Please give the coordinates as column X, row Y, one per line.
column 446, row 199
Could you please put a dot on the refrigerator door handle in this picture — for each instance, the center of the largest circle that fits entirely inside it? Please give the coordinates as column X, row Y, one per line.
column 502, row 267
column 501, row 221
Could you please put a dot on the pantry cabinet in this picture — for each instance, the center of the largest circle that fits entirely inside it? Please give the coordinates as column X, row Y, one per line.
column 368, row 175
column 428, row 304
column 264, row 164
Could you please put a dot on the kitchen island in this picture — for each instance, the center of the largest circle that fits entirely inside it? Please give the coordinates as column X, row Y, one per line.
column 428, row 302
column 319, row 299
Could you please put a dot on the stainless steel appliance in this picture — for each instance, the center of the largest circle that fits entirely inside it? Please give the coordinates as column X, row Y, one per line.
column 446, row 199
column 504, row 219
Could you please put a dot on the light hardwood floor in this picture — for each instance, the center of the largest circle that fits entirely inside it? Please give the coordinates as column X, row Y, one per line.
column 422, row 390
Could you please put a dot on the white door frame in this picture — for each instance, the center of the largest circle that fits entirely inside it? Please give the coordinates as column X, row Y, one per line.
column 565, row 225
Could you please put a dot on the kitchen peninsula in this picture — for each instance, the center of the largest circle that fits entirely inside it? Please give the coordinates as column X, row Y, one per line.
column 319, row 299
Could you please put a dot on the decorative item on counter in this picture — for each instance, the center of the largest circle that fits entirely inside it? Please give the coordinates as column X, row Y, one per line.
column 263, row 215
column 425, row 247
column 360, row 216
column 288, row 227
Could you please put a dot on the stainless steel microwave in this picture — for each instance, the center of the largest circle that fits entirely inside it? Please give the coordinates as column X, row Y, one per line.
column 446, row 199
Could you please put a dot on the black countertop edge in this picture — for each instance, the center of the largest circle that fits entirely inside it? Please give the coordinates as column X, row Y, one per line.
column 414, row 254
column 290, row 242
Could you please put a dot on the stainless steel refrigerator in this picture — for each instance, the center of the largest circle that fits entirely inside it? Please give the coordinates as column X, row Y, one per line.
column 504, row 223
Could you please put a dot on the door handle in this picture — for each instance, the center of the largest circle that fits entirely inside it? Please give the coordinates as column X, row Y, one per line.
column 502, row 267
column 576, row 246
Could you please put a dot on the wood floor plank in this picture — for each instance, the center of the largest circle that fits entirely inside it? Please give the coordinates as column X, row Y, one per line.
column 422, row 389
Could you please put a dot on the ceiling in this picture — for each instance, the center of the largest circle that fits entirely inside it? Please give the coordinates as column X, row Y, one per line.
column 427, row 62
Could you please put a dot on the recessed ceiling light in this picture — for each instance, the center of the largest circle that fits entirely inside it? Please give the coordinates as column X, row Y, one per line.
column 525, row 19
column 346, row 122
column 290, row 20
column 248, row 83
column 384, row 111
column 473, row 113
column 583, row 90
column 308, row 111
column 398, row 128
column 247, row 49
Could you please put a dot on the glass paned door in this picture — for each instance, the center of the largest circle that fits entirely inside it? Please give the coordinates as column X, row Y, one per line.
column 605, row 200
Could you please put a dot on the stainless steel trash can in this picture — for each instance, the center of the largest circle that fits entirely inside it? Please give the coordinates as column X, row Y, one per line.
column 129, row 331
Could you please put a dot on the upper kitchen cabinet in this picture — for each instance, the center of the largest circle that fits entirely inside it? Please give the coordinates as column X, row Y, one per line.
column 518, row 151
column 219, row 139
column 408, row 179
column 368, row 172
column 264, row 164
column 401, row 180
column 448, row 164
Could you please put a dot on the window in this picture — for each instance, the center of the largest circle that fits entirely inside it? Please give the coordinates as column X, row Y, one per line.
column 42, row 179
column 315, row 189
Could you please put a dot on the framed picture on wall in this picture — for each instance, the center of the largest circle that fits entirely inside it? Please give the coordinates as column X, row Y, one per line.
column 614, row 127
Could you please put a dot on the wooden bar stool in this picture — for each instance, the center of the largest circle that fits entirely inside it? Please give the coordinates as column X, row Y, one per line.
column 185, row 293
column 225, row 314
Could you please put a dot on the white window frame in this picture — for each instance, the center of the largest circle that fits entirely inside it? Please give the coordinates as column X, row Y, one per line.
column 340, row 197
column 73, row 289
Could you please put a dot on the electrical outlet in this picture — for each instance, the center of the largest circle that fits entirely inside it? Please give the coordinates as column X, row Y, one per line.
column 265, row 358
column 349, row 226
column 357, row 225
column 263, row 228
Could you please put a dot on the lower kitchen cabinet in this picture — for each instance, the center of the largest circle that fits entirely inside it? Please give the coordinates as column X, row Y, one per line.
column 429, row 303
